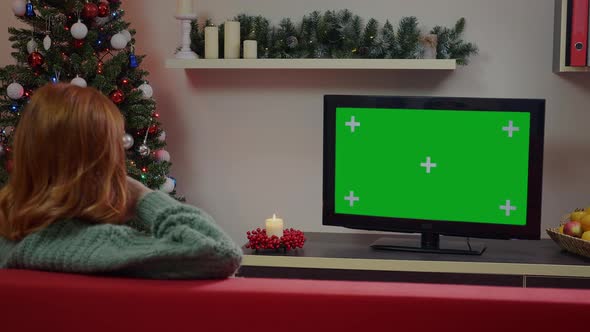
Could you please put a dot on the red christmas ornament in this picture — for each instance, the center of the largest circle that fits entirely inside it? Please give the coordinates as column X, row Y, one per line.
column 36, row 60
column 99, row 67
column 117, row 96
column 153, row 129
column 103, row 9
column 78, row 43
column 90, row 11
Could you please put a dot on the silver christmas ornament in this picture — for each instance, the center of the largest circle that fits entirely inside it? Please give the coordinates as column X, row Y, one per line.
column 47, row 42
column 168, row 186
column 19, row 7
column 79, row 81
column 15, row 91
column 146, row 90
column 144, row 150
column 118, row 41
column 79, row 30
column 32, row 46
column 127, row 141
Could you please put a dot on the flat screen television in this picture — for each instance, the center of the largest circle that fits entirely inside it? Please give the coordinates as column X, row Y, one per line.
column 469, row 167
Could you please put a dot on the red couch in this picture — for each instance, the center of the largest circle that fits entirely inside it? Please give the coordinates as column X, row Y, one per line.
column 38, row 301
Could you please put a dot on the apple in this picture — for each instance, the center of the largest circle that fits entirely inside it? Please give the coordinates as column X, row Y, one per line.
column 573, row 228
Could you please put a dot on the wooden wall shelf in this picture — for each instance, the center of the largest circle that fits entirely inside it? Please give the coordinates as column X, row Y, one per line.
column 340, row 64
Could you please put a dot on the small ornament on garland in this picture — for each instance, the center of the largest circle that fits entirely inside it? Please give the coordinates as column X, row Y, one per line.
column 36, row 60
column 15, row 91
column 19, row 7
column 47, row 39
column 103, row 9
column 30, row 11
column 79, row 81
column 90, row 11
column 79, row 30
column 117, row 96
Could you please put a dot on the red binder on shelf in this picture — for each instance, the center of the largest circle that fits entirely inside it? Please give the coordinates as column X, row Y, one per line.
column 579, row 28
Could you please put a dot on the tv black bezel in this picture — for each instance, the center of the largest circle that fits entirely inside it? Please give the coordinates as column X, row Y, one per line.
column 532, row 229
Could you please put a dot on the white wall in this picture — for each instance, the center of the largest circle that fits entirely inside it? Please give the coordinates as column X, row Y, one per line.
column 246, row 144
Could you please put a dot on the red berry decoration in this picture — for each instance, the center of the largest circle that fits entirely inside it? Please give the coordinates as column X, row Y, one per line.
column 36, row 60
column 117, row 96
column 90, row 11
column 291, row 239
column 103, row 9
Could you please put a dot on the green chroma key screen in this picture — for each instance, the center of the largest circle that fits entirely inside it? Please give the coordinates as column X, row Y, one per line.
column 461, row 166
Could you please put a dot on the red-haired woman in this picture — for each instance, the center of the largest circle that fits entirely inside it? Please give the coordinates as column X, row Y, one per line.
column 69, row 205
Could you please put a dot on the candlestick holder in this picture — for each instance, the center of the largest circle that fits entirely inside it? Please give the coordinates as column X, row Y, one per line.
column 185, row 51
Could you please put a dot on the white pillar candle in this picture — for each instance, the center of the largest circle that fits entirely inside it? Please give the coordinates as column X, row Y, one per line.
column 184, row 7
column 274, row 226
column 211, row 42
column 250, row 49
column 231, row 48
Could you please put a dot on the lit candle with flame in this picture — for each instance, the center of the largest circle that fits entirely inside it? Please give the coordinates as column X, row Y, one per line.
column 274, row 226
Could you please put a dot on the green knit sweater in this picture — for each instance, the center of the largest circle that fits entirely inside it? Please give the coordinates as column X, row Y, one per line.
column 167, row 240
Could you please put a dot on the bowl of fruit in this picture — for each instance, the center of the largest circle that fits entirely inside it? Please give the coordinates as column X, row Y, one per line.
column 573, row 234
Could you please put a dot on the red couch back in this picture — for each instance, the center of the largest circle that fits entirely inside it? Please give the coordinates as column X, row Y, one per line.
column 38, row 301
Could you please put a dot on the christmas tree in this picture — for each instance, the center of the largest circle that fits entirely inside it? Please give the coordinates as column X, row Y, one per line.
column 86, row 43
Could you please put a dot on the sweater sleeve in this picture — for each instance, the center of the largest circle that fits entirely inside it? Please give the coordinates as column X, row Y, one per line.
column 212, row 252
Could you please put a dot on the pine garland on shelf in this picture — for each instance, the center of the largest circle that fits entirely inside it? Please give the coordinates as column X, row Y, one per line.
column 341, row 35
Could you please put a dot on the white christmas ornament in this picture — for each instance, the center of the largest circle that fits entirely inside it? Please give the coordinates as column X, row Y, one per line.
column 118, row 41
column 79, row 30
column 146, row 90
column 163, row 155
column 32, row 46
column 19, row 7
column 79, row 81
column 15, row 91
column 162, row 136
column 168, row 186
column 127, row 35
column 47, row 42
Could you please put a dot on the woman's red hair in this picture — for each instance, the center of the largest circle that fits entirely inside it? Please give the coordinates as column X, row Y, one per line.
column 69, row 162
